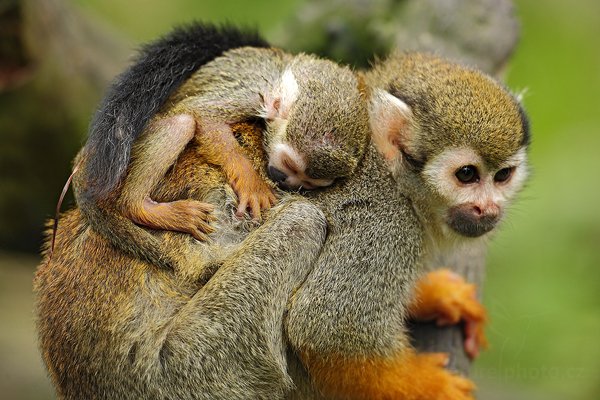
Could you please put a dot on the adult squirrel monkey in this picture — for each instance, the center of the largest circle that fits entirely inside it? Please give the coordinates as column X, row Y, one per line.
column 448, row 154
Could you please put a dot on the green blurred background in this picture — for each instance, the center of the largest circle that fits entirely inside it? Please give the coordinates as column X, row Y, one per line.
column 542, row 288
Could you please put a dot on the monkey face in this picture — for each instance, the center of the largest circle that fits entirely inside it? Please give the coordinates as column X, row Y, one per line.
column 472, row 193
column 314, row 146
column 317, row 125
column 288, row 169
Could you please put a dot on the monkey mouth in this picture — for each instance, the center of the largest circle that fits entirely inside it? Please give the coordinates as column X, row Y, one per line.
column 472, row 229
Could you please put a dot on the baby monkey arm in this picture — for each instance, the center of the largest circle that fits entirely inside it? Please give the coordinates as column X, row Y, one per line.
column 156, row 151
column 219, row 147
column 204, row 107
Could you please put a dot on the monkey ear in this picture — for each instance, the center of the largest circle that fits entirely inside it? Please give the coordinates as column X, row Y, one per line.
column 279, row 103
column 390, row 120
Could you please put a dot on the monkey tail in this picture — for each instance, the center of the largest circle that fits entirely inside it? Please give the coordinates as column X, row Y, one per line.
column 139, row 92
column 58, row 206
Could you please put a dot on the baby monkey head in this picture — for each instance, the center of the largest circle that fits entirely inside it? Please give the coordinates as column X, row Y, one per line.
column 455, row 139
column 318, row 129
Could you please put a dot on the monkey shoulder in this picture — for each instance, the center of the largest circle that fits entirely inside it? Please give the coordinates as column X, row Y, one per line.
column 232, row 85
column 373, row 242
column 370, row 217
column 242, row 67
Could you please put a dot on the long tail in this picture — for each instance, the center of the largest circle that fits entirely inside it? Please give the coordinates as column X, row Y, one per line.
column 139, row 92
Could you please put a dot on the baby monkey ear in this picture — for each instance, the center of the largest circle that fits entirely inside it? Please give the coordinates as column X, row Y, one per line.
column 280, row 101
column 390, row 120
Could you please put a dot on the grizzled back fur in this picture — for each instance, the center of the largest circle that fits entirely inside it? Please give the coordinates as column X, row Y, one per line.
column 139, row 92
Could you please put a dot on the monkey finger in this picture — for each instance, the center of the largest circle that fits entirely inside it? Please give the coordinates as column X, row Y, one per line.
column 464, row 386
column 475, row 314
column 475, row 339
column 438, row 359
column 447, row 320
column 242, row 206
column 199, row 235
column 204, row 216
column 272, row 198
column 265, row 203
column 210, row 218
column 471, row 348
column 255, row 209
column 450, row 313
column 204, row 227
column 474, row 310
column 205, row 207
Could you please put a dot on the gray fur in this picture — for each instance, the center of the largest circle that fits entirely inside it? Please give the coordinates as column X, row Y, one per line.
column 126, row 336
column 365, row 270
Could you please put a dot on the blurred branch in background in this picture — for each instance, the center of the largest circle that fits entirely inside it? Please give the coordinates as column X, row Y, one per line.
column 55, row 63
column 482, row 33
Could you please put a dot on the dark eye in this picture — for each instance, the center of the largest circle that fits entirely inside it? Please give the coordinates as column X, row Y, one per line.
column 503, row 175
column 289, row 164
column 467, row 174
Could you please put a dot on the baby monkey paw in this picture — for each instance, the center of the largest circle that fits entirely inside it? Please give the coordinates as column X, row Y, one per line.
column 198, row 216
column 187, row 216
column 252, row 190
column 448, row 299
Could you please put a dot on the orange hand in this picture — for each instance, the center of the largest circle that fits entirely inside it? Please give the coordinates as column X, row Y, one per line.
column 252, row 191
column 188, row 216
column 445, row 297
column 407, row 376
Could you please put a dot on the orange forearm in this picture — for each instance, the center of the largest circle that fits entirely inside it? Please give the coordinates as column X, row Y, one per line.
column 406, row 376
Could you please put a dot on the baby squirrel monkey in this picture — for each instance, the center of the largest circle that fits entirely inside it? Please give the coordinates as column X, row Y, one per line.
column 315, row 118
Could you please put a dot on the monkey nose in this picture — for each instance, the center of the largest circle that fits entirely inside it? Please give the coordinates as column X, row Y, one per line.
column 276, row 175
column 490, row 211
